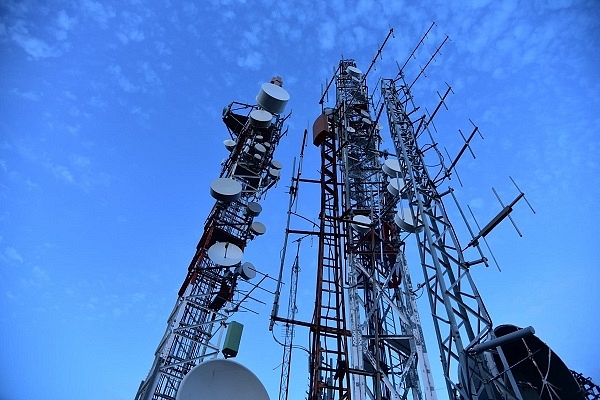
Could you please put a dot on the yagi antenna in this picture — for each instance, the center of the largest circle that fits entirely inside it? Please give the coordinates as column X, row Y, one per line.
column 484, row 240
column 378, row 55
column 466, row 146
column 412, row 54
column 447, row 172
column 505, row 212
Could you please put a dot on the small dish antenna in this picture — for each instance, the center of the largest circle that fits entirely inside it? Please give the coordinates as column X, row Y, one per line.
column 225, row 189
column 405, row 221
column 229, row 144
column 258, row 228
column 225, row 254
column 361, row 223
column 353, row 71
column 276, row 164
column 391, row 167
column 272, row 98
column 253, row 208
column 221, row 379
column 246, row 271
column 260, row 118
column 396, row 186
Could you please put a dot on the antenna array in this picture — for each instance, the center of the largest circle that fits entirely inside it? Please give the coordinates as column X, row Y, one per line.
column 366, row 340
column 211, row 291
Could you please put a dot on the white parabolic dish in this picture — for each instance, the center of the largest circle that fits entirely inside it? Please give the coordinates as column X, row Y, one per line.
column 225, row 254
column 272, row 98
column 363, row 223
column 221, row 379
column 225, row 189
column 391, row 167
column 260, row 118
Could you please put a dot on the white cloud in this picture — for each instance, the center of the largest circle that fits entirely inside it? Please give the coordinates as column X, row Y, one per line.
column 162, row 48
column 11, row 254
column 80, row 161
column 130, row 30
column 124, row 82
column 327, row 32
column 61, row 173
column 64, row 24
column 36, row 48
column 97, row 11
column 252, row 60
column 69, row 95
column 251, row 36
column 29, row 95
column 149, row 75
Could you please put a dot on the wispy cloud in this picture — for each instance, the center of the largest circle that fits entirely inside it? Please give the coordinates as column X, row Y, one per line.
column 130, row 29
column 122, row 80
column 64, row 24
column 97, row 11
column 29, row 94
column 11, row 255
column 327, row 35
column 61, row 172
column 36, row 48
column 252, row 60
column 17, row 24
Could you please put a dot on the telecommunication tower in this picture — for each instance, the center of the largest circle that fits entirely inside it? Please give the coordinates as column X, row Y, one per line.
column 365, row 336
column 366, row 340
column 211, row 291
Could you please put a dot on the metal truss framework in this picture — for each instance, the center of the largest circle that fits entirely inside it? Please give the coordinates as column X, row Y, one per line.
column 210, row 294
column 361, row 257
column 589, row 388
column 460, row 318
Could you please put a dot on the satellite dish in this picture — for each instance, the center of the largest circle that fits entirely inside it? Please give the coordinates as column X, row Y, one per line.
column 253, row 208
column 225, row 254
column 272, row 98
column 260, row 118
column 258, row 228
column 221, row 379
column 229, row 144
column 246, row 271
column 541, row 371
column 259, row 148
column 276, row 164
column 353, row 71
column 405, row 221
column 225, row 189
column 396, row 186
column 274, row 173
column 362, row 221
column 391, row 167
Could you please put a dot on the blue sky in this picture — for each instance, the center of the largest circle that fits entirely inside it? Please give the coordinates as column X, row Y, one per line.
column 110, row 134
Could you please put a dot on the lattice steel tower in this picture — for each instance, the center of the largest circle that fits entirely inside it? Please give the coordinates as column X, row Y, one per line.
column 365, row 338
column 210, row 292
column 376, row 207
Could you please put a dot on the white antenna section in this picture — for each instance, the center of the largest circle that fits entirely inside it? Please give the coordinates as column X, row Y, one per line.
column 225, row 254
column 225, row 189
column 221, row 379
column 391, row 167
column 261, row 118
column 272, row 98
